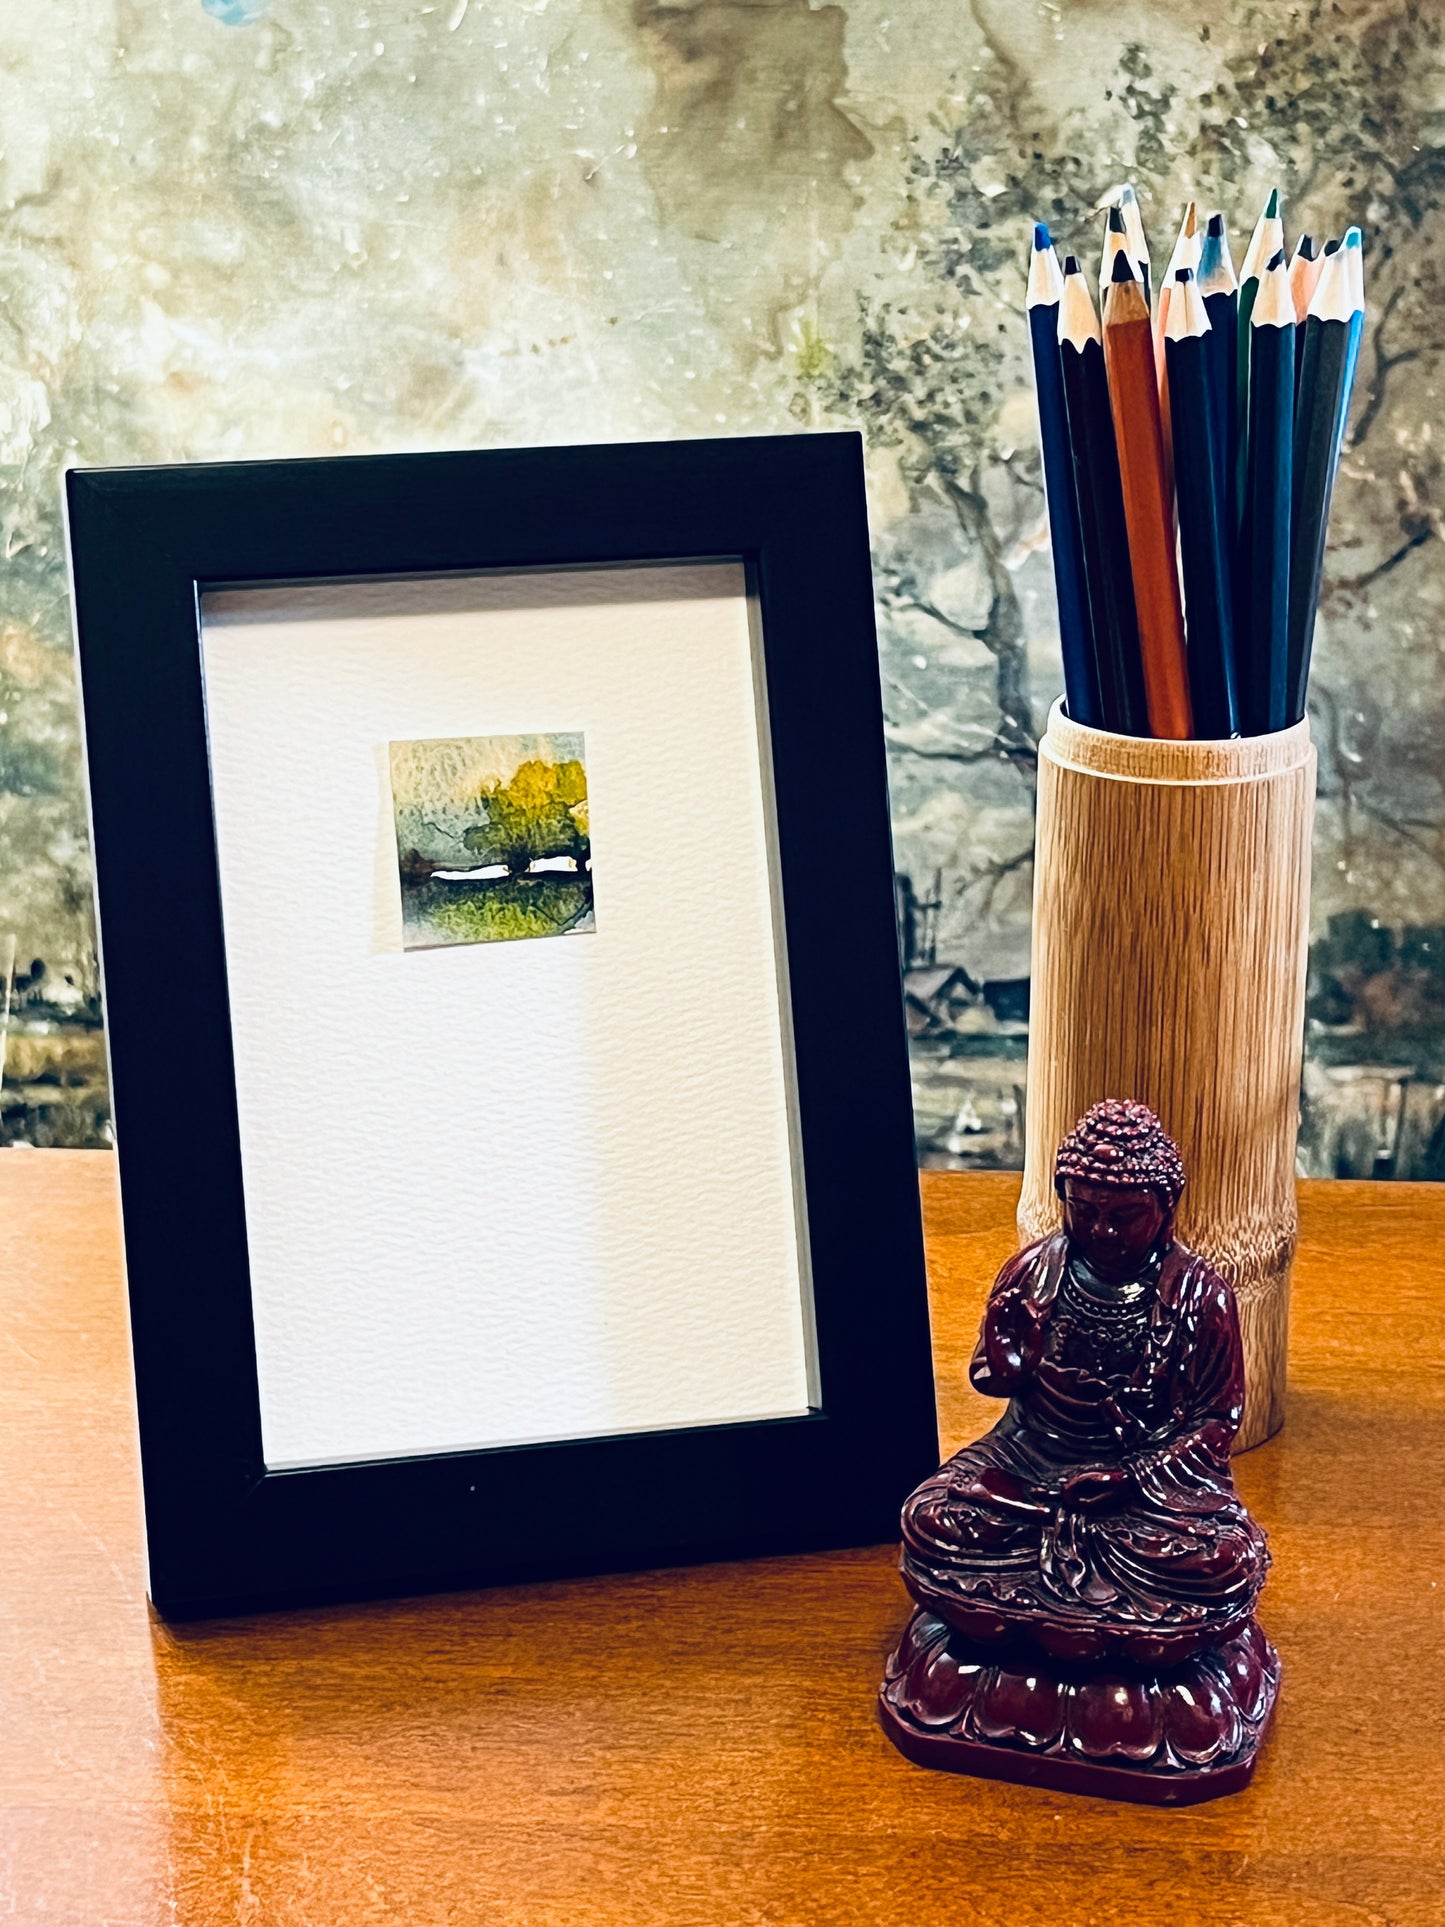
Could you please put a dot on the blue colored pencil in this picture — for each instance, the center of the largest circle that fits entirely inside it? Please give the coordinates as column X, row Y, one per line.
column 1321, row 409
column 1353, row 251
column 1220, row 292
column 1266, row 241
column 1076, row 640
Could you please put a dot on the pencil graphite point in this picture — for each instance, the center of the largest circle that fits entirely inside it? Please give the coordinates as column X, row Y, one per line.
column 1071, row 265
column 1274, row 305
column 1268, row 235
column 1306, row 248
column 1134, row 227
column 1216, row 268
column 1188, row 316
column 1188, row 248
column 1042, row 237
column 1044, row 278
column 1116, row 220
column 1331, row 298
column 1078, row 322
column 1333, row 246
column 1123, row 268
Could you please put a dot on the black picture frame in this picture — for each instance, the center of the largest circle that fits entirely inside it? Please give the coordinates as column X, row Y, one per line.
column 226, row 1534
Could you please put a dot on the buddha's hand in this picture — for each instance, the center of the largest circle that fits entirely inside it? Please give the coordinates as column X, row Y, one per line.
column 1098, row 1486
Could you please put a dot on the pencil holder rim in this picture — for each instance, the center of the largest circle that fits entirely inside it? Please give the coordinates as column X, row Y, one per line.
column 1152, row 759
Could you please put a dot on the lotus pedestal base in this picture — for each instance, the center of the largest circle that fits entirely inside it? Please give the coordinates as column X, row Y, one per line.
column 1169, row 1737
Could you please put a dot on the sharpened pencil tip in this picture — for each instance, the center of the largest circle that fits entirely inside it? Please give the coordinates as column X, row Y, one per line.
column 1307, row 248
column 1071, row 265
column 1333, row 246
column 1116, row 220
column 1042, row 238
column 1271, row 206
column 1123, row 269
column 1276, row 260
column 1184, row 274
column 1215, row 226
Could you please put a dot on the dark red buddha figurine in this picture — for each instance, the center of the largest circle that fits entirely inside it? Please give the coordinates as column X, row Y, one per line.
column 1086, row 1574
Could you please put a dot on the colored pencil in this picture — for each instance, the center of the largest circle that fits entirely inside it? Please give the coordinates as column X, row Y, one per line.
column 1116, row 241
column 1185, row 255
column 1204, row 530
column 1108, row 582
column 1148, row 515
column 1352, row 248
column 1262, row 615
column 1134, row 229
column 1304, row 272
column 1264, row 244
column 1323, row 400
column 1189, row 461
column 1081, row 682
column 1220, row 292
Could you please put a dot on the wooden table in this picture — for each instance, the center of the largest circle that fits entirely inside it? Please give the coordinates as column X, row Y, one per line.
column 694, row 1746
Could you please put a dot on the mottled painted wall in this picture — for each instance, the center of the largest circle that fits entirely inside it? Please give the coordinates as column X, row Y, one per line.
column 264, row 227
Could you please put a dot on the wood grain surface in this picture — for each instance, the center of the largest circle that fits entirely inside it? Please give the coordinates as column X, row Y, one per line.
column 694, row 1746
column 1170, row 929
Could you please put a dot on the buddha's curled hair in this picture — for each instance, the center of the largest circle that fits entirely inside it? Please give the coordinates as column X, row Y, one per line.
column 1122, row 1145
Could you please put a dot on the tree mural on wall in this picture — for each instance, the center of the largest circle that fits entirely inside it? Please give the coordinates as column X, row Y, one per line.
column 1338, row 109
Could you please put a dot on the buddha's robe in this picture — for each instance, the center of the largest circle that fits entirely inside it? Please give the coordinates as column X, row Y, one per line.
column 1168, row 1558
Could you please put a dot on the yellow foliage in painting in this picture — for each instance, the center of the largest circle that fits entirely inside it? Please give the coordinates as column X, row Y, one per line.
column 540, row 811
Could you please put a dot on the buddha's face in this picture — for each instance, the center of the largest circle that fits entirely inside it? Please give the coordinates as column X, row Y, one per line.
column 1114, row 1230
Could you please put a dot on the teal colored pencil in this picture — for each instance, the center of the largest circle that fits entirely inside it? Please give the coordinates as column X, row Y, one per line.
column 1262, row 578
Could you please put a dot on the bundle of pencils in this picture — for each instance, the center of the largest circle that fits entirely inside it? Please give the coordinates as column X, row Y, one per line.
column 1190, row 446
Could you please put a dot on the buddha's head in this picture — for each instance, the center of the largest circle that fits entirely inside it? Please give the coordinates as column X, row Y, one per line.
column 1120, row 1176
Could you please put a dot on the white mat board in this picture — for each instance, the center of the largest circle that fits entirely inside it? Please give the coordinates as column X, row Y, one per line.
column 506, row 1191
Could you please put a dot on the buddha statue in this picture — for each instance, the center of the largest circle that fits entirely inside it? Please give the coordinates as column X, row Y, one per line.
column 1086, row 1574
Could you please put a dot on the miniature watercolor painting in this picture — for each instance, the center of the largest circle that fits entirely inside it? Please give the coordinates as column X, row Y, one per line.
column 492, row 839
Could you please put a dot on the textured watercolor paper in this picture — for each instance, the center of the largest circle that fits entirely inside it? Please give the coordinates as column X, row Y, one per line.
column 492, row 842
column 506, row 1191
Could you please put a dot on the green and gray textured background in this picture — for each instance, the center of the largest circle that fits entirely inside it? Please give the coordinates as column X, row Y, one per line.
column 236, row 228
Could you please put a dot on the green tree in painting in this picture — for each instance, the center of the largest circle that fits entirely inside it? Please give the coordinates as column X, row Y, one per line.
column 540, row 812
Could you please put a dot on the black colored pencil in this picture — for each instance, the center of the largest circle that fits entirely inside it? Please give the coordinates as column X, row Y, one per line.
column 1262, row 613
column 1322, row 400
column 1076, row 640
column 1204, row 528
column 1220, row 294
column 1108, row 582
column 1304, row 273
column 1266, row 241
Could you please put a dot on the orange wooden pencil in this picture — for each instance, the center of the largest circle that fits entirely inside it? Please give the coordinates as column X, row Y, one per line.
column 1148, row 509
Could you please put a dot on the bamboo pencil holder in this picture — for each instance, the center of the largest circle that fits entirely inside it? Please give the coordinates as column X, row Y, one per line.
column 1170, row 936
